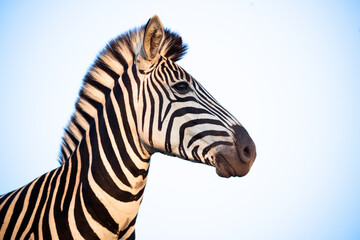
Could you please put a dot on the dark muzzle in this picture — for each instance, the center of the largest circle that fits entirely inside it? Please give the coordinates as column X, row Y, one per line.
column 236, row 160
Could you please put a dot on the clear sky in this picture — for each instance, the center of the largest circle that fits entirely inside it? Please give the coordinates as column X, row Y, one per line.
column 288, row 70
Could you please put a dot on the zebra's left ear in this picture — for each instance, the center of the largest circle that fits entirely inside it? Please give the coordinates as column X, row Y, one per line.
column 153, row 37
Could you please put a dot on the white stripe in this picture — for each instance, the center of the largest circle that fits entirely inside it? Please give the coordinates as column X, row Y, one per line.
column 99, row 230
column 105, row 161
column 66, row 184
column 24, row 210
column 72, row 223
column 31, row 221
column 41, row 219
column 140, row 164
column 9, row 214
column 102, row 77
column 118, row 210
column 51, row 219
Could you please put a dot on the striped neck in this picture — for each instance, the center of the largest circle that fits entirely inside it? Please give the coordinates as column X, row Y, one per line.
column 113, row 67
column 111, row 163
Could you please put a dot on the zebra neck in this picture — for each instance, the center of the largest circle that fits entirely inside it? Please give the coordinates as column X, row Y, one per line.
column 113, row 170
column 114, row 147
column 113, row 65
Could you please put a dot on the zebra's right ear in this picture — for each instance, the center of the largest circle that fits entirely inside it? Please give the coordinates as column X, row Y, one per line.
column 153, row 37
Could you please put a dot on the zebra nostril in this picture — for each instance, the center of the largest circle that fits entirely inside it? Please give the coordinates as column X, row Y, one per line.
column 247, row 152
column 245, row 145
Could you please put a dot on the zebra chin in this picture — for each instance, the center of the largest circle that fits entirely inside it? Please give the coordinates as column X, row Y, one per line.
column 237, row 159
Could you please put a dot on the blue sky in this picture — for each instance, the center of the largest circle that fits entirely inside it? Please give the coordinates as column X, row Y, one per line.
column 288, row 70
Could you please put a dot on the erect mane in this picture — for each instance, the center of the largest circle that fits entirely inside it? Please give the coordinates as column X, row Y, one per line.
column 110, row 64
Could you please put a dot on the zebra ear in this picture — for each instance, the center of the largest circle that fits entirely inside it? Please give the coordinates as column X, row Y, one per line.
column 153, row 37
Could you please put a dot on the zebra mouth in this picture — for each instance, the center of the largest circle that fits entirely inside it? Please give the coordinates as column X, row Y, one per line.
column 230, row 167
column 223, row 168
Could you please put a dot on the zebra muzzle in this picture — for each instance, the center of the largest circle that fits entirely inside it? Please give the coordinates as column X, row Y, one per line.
column 236, row 160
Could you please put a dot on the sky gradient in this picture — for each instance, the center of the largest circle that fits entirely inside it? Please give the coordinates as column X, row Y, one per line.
column 288, row 70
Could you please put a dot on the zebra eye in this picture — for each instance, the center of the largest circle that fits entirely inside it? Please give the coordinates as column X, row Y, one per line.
column 182, row 87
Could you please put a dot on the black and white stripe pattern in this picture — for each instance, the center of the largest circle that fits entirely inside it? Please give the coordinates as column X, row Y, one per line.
column 135, row 101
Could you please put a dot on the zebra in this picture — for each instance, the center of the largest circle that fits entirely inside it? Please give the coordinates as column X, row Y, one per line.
column 135, row 101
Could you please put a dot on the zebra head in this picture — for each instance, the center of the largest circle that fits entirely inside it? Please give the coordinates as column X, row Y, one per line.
column 178, row 117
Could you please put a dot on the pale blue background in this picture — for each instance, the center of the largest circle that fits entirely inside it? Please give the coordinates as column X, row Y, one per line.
column 288, row 70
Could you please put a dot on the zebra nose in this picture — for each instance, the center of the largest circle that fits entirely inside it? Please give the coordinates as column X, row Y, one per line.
column 244, row 144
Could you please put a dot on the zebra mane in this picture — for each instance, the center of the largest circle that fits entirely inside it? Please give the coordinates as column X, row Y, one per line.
column 100, row 79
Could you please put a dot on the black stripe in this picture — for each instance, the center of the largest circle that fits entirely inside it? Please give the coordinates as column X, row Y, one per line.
column 160, row 102
column 130, row 137
column 103, row 66
column 187, row 76
column 91, row 101
column 182, row 152
column 188, row 99
column 85, row 115
column 4, row 196
column 167, row 110
column 213, row 110
column 152, row 105
column 178, row 113
column 34, row 194
column 97, row 210
column 168, row 106
column 173, row 69
column 195, row 155
column 215, row 144
column 73, row 139
column 106, row 142
column 72, row 179
column 45, row 226
column 80, row 220
column 207, row 161
column 216, row 108
column 207, row 133
column 144, row 106
column 127, row 83
column 102, row 177
column 171, row 65
column 66, row 145
column 129, row 164
column 78, row 126
column 123, row 232
column 132, row 236
column 16, row 212
column 136, row 77
column 64, row 154
column 89, row 79
column 42, row 195
column 114, row 45
column 167, row 73
column 61, row 217
column 162, row 72
column 194, row 123
column 182, row 74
